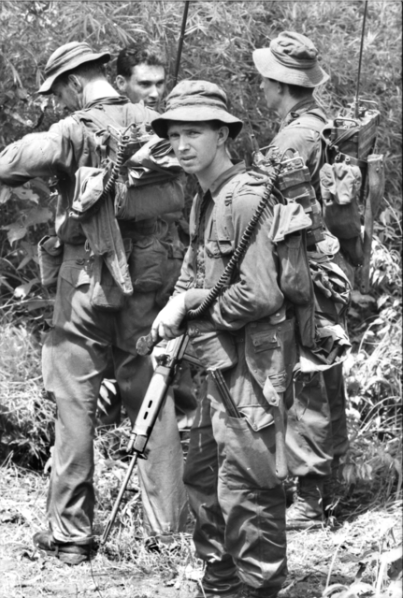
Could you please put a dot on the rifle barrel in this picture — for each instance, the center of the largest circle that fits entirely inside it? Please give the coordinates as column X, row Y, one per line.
column 119, row 497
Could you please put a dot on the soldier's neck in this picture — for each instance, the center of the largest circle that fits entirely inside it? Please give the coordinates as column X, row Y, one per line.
column 286, row 106
column 290, row 104
column 207, row 177
column 94, row 90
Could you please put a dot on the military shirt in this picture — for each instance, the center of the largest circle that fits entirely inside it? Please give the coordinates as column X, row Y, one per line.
column 229, row 204
column 300, row 130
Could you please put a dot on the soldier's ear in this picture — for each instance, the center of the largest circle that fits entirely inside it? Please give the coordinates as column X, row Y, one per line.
column 121, row 83
column 281, row 87
column 75, row 83
column 223, row 133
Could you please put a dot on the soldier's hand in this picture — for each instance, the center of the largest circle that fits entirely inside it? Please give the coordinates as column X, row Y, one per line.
column 169, row 322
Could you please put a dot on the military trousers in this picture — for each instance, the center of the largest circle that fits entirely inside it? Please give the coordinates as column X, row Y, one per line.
column 317, row 425
column 76, row 355
column 237, row 499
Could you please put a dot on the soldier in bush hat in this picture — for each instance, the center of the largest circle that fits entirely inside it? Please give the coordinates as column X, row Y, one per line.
column 230, row 471
column 318, row 438
column 77, row 351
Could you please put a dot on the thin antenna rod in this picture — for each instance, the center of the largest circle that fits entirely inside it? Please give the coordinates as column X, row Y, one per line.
column 181, row 38
column 360, row 59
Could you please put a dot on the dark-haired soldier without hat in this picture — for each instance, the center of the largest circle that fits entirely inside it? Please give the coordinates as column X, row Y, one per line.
column 141, row 75
column 230, row 472
column 77, row 350
column 316, row 431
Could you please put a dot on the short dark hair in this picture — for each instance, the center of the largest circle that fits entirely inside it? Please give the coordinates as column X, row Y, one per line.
column 134, row 55
column 88, row 70
column 296, row 91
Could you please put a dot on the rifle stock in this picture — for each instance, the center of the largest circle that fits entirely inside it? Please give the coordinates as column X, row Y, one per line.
column 147, row 416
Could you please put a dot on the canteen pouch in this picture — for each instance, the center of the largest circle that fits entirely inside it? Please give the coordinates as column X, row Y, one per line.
column 50, row 258
column 340, row 185
column 215, row 349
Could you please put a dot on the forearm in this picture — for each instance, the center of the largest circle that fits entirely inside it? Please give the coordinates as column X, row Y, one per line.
column 36, row 155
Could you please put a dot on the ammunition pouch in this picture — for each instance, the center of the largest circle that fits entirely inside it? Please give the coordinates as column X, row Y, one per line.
column 295, row 184
column 50, row 258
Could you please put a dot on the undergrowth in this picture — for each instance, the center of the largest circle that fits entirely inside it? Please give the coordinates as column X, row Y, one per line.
column 26, row 414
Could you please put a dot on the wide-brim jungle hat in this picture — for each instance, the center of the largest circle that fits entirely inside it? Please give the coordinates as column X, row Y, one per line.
column 291, row 58
column 66, row 58
column 197, row 101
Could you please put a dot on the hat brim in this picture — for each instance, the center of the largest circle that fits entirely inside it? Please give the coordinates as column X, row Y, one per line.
column 46, row 86
column 269, row 67
column 196, row 114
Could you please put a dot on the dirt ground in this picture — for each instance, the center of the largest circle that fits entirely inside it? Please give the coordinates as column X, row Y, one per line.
column 360, row 554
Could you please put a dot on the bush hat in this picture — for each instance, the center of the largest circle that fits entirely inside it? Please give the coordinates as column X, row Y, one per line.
column 66, row 58
column 197, row 101
column 291, row 58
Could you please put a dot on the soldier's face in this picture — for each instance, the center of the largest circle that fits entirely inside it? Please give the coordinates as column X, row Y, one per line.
column 66, row 95
column 147, row 83
column 196, row 144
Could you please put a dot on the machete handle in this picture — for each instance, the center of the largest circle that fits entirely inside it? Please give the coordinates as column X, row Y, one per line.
column 376, row 186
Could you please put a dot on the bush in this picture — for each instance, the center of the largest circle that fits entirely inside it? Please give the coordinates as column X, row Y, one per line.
column 26, row 414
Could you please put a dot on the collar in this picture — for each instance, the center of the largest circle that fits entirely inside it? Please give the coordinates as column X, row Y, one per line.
column 298, row 109
column 117, row 100
column 226, row 176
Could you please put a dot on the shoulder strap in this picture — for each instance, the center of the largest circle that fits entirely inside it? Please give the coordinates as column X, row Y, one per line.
column 313, row 119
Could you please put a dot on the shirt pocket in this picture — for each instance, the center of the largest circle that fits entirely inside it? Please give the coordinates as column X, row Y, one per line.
column 216, row 248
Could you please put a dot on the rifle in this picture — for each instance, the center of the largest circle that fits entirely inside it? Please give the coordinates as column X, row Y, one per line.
column 147, row 416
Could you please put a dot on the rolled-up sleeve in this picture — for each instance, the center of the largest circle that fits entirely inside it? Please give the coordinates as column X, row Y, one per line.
column 254, row 292
column 38, row 155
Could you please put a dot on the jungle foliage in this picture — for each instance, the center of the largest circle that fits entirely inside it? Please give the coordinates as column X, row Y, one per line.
column 220, row 37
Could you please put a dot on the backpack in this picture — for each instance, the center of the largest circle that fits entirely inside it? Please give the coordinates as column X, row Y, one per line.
column 128, row 161
column 346, row 145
